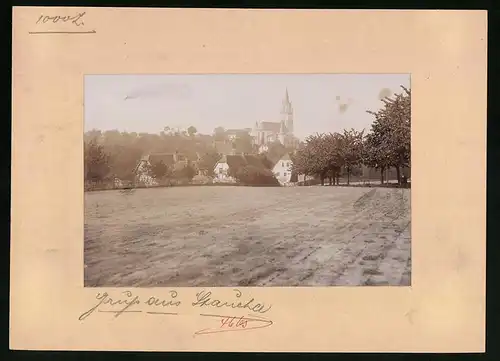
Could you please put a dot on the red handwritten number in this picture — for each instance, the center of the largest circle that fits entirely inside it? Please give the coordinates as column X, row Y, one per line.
column 228, row 322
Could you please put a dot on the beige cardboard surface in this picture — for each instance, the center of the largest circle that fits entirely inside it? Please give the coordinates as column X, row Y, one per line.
column 445, row 52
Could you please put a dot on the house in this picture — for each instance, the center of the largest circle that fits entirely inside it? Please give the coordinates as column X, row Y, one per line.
column 233, row 134
column 143, row 175
column 171, row 160
column 226, row 165
column 263, row 148
column 230, row 164
column 282, row 169
column 118, row 183
column 221, row 171
column 224, row 147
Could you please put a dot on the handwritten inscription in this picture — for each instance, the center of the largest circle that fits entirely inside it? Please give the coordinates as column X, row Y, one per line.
column 127, row 302
column 235, row 323
column 228, row 322
column 204, row 299
column 76, row 20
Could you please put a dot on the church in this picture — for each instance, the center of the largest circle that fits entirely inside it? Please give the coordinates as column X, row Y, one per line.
column 265, row 133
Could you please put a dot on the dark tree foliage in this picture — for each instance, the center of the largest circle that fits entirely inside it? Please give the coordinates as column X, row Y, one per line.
column 389, row 142
column 253, row 175
column 160, row 170
column 96, row 162
column 386, row 145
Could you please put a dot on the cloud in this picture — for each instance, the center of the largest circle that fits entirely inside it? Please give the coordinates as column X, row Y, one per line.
column 384, row 93
column 179, row 91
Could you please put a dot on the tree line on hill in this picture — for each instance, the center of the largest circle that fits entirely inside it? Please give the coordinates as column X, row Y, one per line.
column 114, row 154
column 386, row 145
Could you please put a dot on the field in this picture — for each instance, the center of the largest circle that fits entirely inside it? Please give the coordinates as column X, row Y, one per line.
column 248, row 236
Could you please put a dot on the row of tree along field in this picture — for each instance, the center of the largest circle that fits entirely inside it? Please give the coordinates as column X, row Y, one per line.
column 114, row 154
column 387, row 145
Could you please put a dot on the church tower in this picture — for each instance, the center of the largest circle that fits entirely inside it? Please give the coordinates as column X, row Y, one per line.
column 282, row 133
column 287, row 113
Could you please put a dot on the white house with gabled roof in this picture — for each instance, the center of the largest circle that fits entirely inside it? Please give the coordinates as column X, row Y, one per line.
column 221, row 171
column 283, row 169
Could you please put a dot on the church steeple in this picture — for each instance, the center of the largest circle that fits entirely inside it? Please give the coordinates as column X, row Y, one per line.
column 281, row 135
column 287, row 113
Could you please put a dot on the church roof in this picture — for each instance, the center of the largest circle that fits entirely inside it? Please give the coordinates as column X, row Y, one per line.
column 270, row 126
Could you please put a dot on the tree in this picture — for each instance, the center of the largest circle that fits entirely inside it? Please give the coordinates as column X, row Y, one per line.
column 243, row 143
column 219, row 134
column 94, row 134
column 253, row 175
column 350, row 150
column 389, row 144
column 123, row 160
column 192, row 131
column 275, row 151
column 159, row 170
column 375, row 154
column 184, row 172
column 313, row 157
column 96, row 166
column 207, row 162
column 266, row 162
column 333, row 142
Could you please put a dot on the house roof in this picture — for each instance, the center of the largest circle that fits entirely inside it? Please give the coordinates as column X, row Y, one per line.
column 167, row 158
column 235, row 161
column 236, row 131
column 223, row 147
column 254, row 160
column 273, row 158
column 192, row 156
column 222, row 160
column 284, row 157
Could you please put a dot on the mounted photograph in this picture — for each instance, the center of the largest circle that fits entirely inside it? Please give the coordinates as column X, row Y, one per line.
column 233, row 180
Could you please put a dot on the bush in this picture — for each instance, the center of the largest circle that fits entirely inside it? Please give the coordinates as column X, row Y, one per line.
column 252, row 175
column 184, row 172
column 201, row 179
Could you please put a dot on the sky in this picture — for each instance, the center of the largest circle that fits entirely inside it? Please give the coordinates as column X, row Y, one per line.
column 149, row 103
